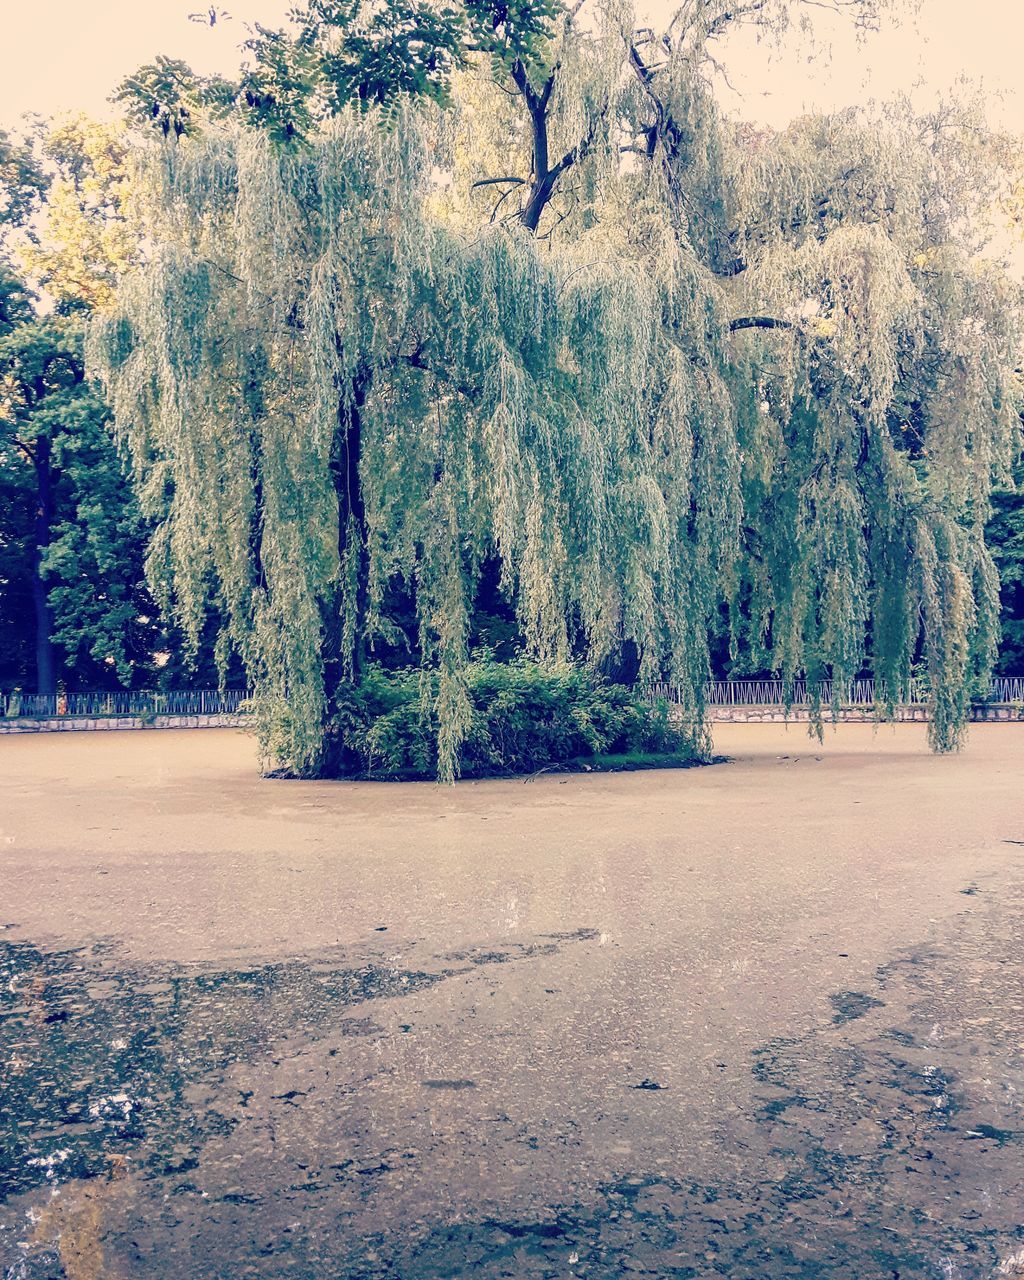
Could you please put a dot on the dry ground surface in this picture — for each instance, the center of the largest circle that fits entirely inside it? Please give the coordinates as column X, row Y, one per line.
column 759, row 1020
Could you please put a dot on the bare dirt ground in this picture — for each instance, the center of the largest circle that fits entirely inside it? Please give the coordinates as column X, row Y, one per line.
column 759, row 1020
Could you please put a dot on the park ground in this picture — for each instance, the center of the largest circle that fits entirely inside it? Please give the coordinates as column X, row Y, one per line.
column 759, row 1020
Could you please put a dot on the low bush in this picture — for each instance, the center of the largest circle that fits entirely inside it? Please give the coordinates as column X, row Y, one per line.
column 524, row 717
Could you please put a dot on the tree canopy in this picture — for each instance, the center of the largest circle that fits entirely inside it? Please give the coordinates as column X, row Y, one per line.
column 73, row 599
column 1005, row 535
column 542, row 308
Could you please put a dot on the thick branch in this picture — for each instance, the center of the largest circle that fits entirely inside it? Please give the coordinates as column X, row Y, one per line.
column 759, row 322
column 416, row 361
column 644, row 74
column 717, row 25
column 546, row 175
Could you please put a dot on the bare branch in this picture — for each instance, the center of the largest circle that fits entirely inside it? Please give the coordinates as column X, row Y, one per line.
column 737, row 14
column 501, row 201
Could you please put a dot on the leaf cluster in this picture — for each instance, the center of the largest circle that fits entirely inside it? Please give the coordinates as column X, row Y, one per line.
column 337, row 54
column 168, row 97
column 523, row 717
column 23, row 181
column 1005, row 535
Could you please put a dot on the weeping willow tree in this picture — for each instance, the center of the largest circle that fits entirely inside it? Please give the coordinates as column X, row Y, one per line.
column 519, row 294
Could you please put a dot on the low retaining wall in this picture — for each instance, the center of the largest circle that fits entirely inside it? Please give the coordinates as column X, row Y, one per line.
column 998, row 711
column 1008, row 711
column 857, row 715
column 27, row 724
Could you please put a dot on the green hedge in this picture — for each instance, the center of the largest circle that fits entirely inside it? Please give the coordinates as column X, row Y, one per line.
column 524, row 718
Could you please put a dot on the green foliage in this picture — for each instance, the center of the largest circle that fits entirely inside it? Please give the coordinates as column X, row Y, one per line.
column 72, row 537
column 768, row 371
column 17, row 623
column 94, row 564
column 1005, row 535
column 519, row 32
column 22, row 181
column 167, row 96
column 353, row 52
column 338, row 54
column 523, row 717
column 16, row 299
column 55, row 445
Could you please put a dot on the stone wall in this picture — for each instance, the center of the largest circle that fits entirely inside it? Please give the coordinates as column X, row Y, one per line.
column 862, row 715
column 998, row 711
column 27, row 724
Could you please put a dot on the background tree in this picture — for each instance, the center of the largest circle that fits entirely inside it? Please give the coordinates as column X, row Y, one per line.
column 85, row 239
column 576, row 325
column 17, row 490
column 1005, row 535
column 73, row 598
column 23, row 511
column 22, row 181
column 79, row 555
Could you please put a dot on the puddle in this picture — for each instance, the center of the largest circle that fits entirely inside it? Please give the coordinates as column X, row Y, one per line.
column 183, row 1123
column 98, row 1062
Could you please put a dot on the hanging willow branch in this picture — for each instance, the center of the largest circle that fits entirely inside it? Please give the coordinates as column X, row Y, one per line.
column 345, row 392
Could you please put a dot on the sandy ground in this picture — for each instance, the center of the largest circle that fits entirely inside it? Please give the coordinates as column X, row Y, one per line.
column 760, row 1019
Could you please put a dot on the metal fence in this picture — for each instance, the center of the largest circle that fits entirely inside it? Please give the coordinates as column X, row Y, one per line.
column 1008, row 689
column 139, row 702
column 800, row 693
column 718, row 693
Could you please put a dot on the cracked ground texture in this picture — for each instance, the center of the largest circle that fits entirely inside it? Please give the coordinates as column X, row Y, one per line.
column 759, row 1020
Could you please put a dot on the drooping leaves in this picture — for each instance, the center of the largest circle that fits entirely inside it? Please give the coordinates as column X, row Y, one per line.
column 768, row 370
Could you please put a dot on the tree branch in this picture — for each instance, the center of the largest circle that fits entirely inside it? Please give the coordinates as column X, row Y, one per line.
column 759, row 322
column 522, row 83
column 717, row 25
column 20, row 444
column 415, row 361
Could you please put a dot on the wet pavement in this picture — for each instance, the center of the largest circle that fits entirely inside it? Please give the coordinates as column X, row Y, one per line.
column 643, row 1046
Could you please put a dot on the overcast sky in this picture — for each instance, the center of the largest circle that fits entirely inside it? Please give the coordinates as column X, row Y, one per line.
column 68, row 54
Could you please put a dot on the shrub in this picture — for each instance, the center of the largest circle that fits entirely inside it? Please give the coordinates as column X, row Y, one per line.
column 523, row 717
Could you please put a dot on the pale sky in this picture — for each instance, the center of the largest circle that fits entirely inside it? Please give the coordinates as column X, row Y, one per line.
column 68, row 54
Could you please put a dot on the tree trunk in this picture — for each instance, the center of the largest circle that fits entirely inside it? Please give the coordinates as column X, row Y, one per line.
column 542, row 178
column 340, row 668
column 622, row 666
column 46, row 674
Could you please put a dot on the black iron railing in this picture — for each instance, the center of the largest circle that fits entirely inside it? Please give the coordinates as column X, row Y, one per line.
column 718, row 693
column 137, row 702
column 857, row 693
